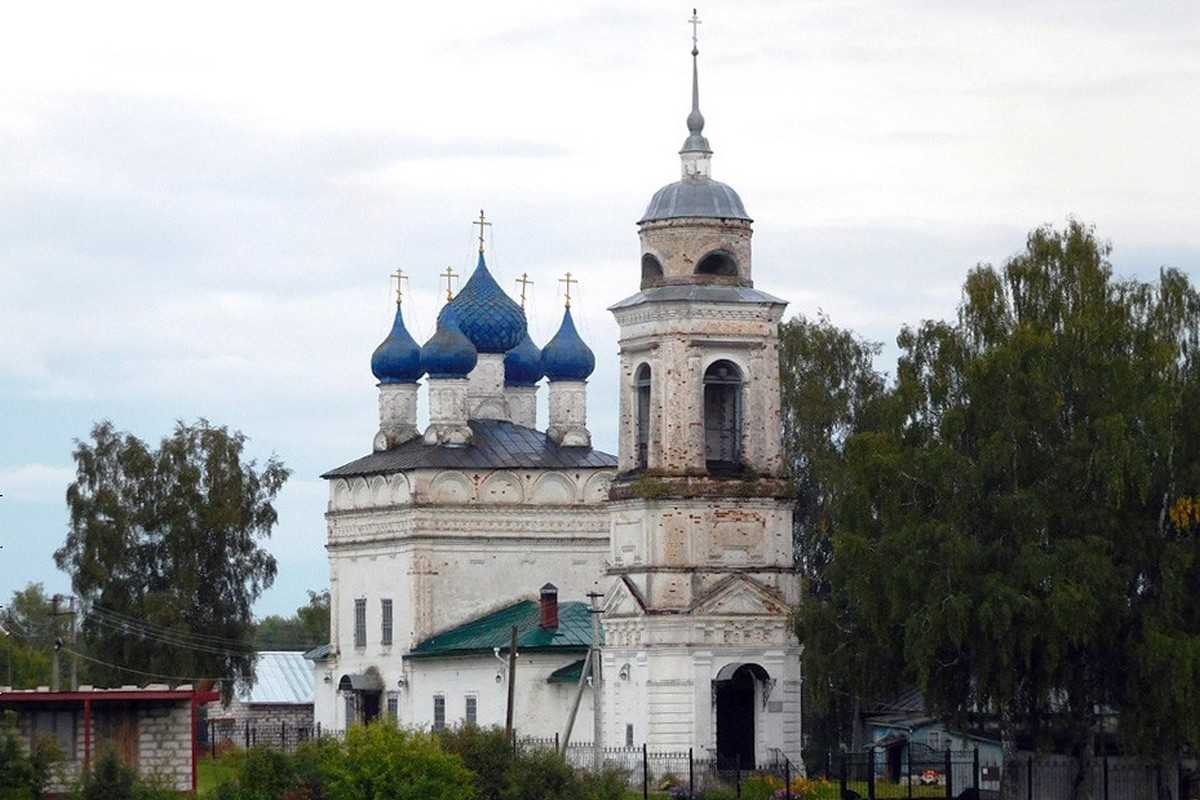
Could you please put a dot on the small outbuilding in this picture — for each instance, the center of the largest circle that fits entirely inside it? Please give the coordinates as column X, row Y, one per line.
column 152, row 728
column 279, row 701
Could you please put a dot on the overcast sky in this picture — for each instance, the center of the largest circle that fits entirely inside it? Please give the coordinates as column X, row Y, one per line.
column 199, row 208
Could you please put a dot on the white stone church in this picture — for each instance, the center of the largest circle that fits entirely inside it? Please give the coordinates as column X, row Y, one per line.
column 442, row 540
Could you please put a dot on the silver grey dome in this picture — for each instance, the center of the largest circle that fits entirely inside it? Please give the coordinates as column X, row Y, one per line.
column 695, row 197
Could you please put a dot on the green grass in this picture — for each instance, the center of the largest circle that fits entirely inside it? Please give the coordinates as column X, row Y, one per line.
column 212, row 773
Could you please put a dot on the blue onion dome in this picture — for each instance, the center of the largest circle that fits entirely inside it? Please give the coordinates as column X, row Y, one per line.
column 566, row 357
column 398, row 357
column 490, row 318
column 523, row 364
column 448, row 353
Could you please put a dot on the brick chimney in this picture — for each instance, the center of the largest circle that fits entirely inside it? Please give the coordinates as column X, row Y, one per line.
column 549, row 604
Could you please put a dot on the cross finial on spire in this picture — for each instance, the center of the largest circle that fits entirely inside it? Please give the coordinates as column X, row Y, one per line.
column 449, row 275
column 525, row 282
column 400, row 277
column 695, row 21
column 568, row 280
column 482, row 222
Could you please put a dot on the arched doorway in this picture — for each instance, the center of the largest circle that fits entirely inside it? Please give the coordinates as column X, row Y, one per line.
column 362, row 693
column 734, row 695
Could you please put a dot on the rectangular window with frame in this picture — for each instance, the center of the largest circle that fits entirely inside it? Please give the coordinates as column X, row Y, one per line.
column 57, row 726
column 351, row 709
column 393, row 706
column 629, row 734
column 439, row 712
column 385, row 615
column 472, row 710
column 360, row 622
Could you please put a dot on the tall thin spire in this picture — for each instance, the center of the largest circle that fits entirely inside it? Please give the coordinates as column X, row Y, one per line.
column 695, row 152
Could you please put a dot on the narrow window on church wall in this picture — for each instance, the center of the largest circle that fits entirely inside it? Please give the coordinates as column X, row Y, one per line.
column 385, row 615
column 642, row 385
column 472, row 710
column 393, row 706
column 722, row 415
column 351, row 709
column 360, row 622
column 439, row 712
column 629, row 734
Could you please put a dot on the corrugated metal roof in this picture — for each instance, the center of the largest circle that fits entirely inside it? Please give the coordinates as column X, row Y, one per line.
column 497, row 445
column 574, row 631
column 280, row 678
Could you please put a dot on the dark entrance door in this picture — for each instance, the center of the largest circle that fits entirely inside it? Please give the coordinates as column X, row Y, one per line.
column 370, row 706
column 735, row 720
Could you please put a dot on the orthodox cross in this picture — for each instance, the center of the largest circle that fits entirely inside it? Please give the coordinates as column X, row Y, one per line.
column 481, row 223
column 525, row 282
column 449, row 275
column 695, row 21
column 568, row 281
column 399, row 276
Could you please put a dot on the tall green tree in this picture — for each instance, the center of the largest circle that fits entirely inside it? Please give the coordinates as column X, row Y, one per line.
column 1019, row 526
column 308, row 627
column 165, row 548
column 830, row 391
column 27, row 636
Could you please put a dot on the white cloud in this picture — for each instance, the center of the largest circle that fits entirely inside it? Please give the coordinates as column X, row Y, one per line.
column 35, row 483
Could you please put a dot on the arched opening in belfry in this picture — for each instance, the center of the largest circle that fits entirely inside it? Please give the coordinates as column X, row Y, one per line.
column 722, row 416
column 641, row 383
column 718, row 262
column 652, row 271
column 738, row 690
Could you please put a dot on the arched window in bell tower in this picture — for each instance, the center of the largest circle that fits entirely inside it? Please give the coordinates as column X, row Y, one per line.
column 641, row 383
column 718, row 262
column 652, row 271
column 722, row 416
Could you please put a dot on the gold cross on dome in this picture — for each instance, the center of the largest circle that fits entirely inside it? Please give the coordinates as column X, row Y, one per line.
column 482, row 222
column 568, row 281
column 525, row 283
column 449, row 275
column 399, row 276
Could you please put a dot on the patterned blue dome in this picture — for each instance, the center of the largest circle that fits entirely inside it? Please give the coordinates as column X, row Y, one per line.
column 448, row 353
column 488, row 317
column 398, row 357
column 566, row 357
column 523, row 364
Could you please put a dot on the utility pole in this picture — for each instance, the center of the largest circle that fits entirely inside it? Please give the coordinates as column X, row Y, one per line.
column 512, row 679
column 54, row 669
column 74, row 649
column 597, row 691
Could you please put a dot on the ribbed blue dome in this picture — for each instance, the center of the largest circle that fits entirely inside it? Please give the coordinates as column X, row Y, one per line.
column 490, row 318
column 398, row 357
column 448, row 353
column 523, row 364
column 566, row 357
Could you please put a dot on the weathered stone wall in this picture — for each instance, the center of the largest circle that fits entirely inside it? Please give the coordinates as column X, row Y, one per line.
column 230, row 721
column 165, row 744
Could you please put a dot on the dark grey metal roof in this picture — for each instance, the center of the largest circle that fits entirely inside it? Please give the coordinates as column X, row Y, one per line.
column 695, row 197
column 698, row 293
column 497, row 445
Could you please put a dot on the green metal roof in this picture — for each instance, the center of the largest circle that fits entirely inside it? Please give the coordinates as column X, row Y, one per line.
column 568, row 674
column 574, row 632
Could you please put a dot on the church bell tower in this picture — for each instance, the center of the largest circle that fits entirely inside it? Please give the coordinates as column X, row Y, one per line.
column 699, row 649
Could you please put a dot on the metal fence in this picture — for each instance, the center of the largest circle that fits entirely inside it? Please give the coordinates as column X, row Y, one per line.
column 952, row 774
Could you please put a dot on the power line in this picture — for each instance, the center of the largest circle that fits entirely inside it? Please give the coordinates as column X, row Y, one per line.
column 181, row 678
column 217, row 640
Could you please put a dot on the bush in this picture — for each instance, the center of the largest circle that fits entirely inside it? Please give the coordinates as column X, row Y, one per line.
column 387, row 763
column 609, row 784
column 484, row 751
column 541, row 774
